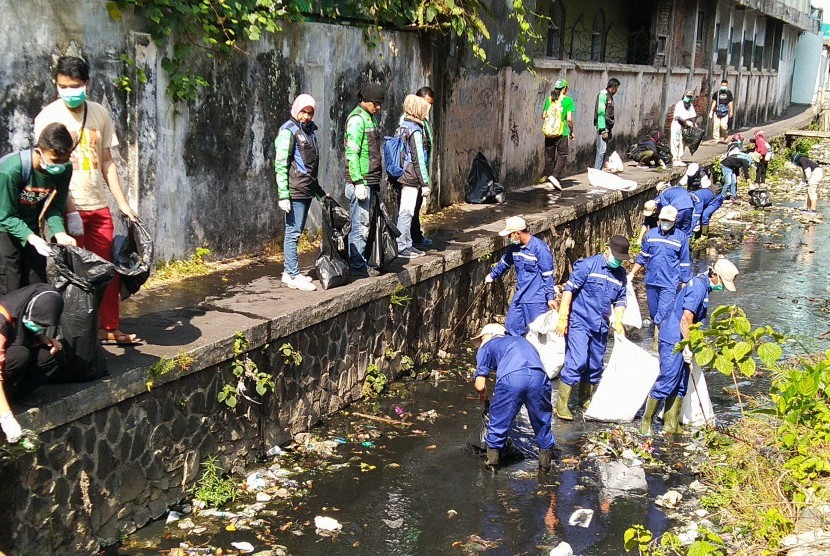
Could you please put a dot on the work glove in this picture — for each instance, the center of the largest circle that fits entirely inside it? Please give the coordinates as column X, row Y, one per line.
column 488, row 279
column 687, row 355
column 74, row 224
column 425, row 191
column 618, row 327
column 39, row 244
column 361, row 193
column 285, row 205
column 696, row 228
column 562, row 325
column 690, row 123
column 605, row 134
column 11, row 428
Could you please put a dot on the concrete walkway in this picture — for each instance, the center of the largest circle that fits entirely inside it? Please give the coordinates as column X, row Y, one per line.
column 201, row 315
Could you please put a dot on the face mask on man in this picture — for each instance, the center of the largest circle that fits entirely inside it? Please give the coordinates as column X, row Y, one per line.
column 717, row 287
column 36, row 328
column 514, row 239
column 613, row 262
column 724, row 89
column 687, row 100
column 72, row 96
column 52, row 167
column 666, row 226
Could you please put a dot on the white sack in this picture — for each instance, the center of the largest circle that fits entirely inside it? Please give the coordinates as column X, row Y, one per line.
column 614, row 164
column 697, row 408
column 632, row 316
column 627, row 380
column 551, row 348
column 606, row 180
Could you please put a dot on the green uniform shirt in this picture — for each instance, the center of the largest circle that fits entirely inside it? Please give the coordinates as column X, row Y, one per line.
column 21, row 203
column 567, row 107
column 363, row 148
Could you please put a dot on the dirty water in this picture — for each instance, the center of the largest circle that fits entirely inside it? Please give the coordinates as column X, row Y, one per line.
column 420, row 488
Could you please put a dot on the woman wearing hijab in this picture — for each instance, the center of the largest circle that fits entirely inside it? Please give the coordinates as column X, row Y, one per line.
column 27, row 355
column 415, row 178
column 295, row 165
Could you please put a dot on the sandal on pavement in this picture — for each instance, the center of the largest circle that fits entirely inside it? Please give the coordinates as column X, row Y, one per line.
column 118, row 338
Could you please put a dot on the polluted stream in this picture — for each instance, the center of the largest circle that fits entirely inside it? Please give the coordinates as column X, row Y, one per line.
column 411, row 483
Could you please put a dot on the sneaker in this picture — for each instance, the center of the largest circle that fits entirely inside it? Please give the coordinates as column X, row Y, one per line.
column 417, row 251
column 662, row 164
column 807, row 211
column 555, row 183
column 372, row 271
column 361, row 273
column 423, row 242
column 298, row 283
column 678, row 164
column 410, row 253
column 286, row 277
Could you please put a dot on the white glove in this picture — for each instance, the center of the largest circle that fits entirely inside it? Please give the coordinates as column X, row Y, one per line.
column 425, row 191
column 690, row 123
column 687, row 355
column 360, row 192
column 74, row 224
column 11, row 428
column 488, row 279
column 285, row 205
column 696, row 228
column 39, row 244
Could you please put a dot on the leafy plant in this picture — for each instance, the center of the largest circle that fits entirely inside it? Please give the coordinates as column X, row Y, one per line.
column 182, row 268
column 407, row 364
column 182, row 361
column 399, row 296
column 124, row 82
column 214, row 488
column 247, row 373
column 290, row 355
column 707, row 543
column 375, row 382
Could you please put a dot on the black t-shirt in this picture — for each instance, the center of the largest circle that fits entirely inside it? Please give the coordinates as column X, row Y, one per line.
column 805, row 163
column 722, row 98
column 650, row 221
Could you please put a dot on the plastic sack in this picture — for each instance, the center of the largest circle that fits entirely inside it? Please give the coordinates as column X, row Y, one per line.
column 697, row 409
column 692, row 136
column 81, row 279
column 626, row 381
column 632, row 316
column 132, row 255
column 760, row 198
column 606, row 180
column 551, row 347
column 614, row 164
column 482, row 186
column 332, row 262
column 382, row 242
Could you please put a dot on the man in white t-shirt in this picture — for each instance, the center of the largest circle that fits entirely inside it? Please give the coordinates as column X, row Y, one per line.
column 684, row 116
column 88, row 215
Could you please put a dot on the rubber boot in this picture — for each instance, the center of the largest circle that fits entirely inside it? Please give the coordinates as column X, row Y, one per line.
column 492, row 459
column 704, row 230
column 561, row 408
column 544, row 460
column 648, row 416
column 656, row 343
column 586, row 392
column 671, row 415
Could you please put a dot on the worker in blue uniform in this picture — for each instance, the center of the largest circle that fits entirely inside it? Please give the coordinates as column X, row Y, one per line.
column 679, row 198
column 520, row 380
column 690, row 306
column 596, row 284
column 534, row 276
column 706, row 202
column 665, row 254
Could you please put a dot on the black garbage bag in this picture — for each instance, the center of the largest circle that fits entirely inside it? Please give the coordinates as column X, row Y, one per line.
column 333, row 263
column 82, row 277
column 132, row 255
column 760, row 198
column 482, row 186
column 692, row 136
column 382, row 243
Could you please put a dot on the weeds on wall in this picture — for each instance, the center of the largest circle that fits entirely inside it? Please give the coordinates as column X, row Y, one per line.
column 214, row 487
column 247, row 376
column 375, row 382
column 182, row 361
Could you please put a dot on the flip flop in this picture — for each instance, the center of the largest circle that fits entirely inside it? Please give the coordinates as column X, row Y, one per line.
column 118, row 338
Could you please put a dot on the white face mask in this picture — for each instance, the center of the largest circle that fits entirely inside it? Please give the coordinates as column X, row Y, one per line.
column 666, row 226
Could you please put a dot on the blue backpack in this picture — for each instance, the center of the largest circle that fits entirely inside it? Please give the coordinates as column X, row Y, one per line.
column 396, row 153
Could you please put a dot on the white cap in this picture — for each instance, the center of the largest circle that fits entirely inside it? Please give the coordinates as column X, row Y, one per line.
column 727, row 272
column 668, row 213
column 661, row 186
column 492, row 329
column 692, row 169
column 649, row 207
column 513, row 224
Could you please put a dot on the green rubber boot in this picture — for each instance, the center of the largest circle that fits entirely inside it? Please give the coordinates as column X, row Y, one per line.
column 671, row 415
column 561, row 408
column 648, row 416
column 586, row 392
column 704, row 230
column 492, row 463
column 544, row 460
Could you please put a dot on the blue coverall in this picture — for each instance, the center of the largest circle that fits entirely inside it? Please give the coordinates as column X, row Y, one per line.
column 679, row 198
column 534, row 283
column 706, row 203
column 674, row 372
column 596, row 287
column 520, row 380
column 668, row 264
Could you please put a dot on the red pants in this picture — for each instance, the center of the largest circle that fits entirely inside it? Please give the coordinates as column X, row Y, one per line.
column 98, row 232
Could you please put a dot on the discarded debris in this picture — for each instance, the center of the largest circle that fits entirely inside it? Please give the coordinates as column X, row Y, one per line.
column 243, row 547
column 581, row 517
column 669, row 500
column 381, row 419
column 562, row 549
column 326, row 525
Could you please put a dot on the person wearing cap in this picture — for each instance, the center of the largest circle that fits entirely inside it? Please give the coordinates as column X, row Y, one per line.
column 678, row 197
column 689, row 307
column 735, row 146
column 296, row 160
column 812, row 174
column 595, row 286
column 604, row 119
column 364, row 170
column 534, row 276
column 415, row 180
column 556, row 148
column 706, row 201
column 649, row 219
column 684, row 115
column 696, row 176
column 763, row 150
column 27, row 355
column 520, row 380
column 665, row 255
column 721, row 110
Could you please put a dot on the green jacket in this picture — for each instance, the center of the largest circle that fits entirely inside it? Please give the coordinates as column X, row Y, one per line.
column 21, row 203
column 363, row 148
column 296, row 160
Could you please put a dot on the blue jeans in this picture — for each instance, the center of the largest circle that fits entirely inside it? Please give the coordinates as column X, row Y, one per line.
column 359, row 213
column 730, row 182
column 601, row 147
column 294, row 226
